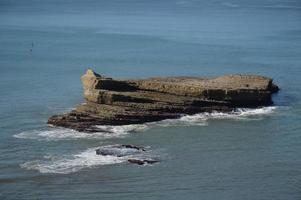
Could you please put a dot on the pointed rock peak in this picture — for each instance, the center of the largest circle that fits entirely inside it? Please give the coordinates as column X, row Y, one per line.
column 90, row 72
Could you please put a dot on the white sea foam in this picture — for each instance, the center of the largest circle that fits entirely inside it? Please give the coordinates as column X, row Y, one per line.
column 201, row 119
column 72, row 163
column 86, row 159
column 63, row 133
column 123, row 129
column 89, row 158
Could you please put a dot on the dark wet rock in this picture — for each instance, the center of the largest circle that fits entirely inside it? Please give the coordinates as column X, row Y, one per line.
column 142, row 162
column 119, row 150
column 129, row 146
column 134, row 154
column 106, row 152
column 123, row 102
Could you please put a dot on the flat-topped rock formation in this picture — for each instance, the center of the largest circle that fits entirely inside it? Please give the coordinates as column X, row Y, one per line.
column 121, row 102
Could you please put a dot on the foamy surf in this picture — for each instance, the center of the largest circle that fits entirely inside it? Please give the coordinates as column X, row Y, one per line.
column 64, row 133
column 72, row 163
column 86, row 159
column 201, row 119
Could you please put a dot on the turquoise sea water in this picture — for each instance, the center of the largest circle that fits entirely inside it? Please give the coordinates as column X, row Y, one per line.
column 45, row 46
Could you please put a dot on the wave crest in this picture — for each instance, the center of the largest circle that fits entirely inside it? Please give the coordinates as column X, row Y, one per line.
column 73, row 163
column 86, row 159
column 202, row 119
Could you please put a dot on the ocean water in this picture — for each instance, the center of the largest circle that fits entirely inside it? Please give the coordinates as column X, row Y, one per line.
column 45, row 46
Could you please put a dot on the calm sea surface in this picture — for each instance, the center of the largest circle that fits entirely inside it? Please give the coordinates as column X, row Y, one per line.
column 45, row 46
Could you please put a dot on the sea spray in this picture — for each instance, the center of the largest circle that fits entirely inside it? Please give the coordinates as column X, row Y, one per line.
column 87, row 159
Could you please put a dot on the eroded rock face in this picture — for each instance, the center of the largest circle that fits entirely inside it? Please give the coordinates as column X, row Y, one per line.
column 246, row 90
column 120, row 102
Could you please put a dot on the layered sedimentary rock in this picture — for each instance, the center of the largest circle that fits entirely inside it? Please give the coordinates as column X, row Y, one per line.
column 121, row 102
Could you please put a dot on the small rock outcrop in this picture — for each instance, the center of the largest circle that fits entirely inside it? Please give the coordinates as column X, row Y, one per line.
column 133, row 154
column 121, row 102
column 142, row 161
column 119, row 150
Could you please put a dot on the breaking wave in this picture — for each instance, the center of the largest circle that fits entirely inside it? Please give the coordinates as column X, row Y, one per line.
column 86, row 159
column 64, row 133
column 114, row 154
column 72, row 163
column 107, row 132
column 202, row 119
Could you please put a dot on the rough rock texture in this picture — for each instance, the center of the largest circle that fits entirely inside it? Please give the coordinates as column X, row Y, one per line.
column 131, row 152
column 120, row 102
column 142, row 162
column 120, row 150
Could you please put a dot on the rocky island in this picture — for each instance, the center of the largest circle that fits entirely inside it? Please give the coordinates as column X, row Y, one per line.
column 123, row 102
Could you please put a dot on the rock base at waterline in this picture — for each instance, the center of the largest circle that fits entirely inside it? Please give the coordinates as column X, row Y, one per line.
column 123, row 102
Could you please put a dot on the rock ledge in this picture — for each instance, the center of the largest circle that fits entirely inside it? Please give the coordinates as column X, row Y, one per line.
column 121, row 102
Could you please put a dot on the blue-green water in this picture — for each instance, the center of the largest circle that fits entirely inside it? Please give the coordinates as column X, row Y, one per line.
column 45, row 46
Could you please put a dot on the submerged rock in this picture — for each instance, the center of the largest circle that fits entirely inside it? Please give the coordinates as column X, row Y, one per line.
column 133, row 154
column 130, row 146
column 142, row 162
column 119, row 150
column 122, row 102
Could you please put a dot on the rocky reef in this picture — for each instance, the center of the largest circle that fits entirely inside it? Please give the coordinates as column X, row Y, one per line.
column 127, row 151
column 122, row 102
